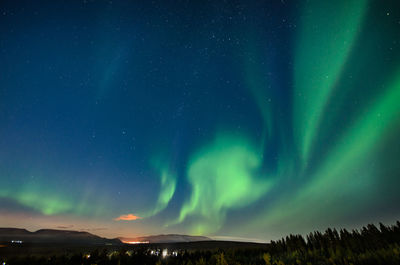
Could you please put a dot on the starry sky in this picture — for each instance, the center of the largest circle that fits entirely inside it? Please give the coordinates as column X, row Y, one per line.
column 230, row 119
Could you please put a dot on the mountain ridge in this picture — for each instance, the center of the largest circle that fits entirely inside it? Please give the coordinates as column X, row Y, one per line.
column 46, row 235
column 9, row 234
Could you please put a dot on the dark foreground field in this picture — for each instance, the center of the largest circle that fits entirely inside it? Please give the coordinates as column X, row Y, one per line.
column 38, row 249
column 370, row 245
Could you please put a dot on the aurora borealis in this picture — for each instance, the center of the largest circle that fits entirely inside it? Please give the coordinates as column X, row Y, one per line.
column 235, row 119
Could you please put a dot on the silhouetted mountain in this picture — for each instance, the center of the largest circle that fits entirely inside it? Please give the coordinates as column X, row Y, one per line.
column 170, row 238
column 54, row 236
column 14, row 231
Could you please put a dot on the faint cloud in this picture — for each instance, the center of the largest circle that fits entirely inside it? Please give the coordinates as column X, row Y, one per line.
column 127, row 217
column 64, row 226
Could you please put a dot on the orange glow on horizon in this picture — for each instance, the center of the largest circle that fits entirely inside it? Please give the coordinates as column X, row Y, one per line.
column 135, row 242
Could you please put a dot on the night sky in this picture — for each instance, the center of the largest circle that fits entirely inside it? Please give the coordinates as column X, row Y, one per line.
column 230, row 119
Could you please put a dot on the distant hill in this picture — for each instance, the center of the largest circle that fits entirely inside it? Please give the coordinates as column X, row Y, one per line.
column 170, row 238
column 54, row 236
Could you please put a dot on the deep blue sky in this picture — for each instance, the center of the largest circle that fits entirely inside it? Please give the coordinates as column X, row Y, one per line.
column 199, row 117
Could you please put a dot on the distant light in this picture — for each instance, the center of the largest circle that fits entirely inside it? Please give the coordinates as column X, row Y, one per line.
column 136, row 242
column 164, row 253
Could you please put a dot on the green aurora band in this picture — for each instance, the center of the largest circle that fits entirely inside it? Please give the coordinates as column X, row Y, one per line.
column 324, row 43
column 222, row 178
column 168, row 182
column 348, row 170
column 50, row 202
column 227, row 174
